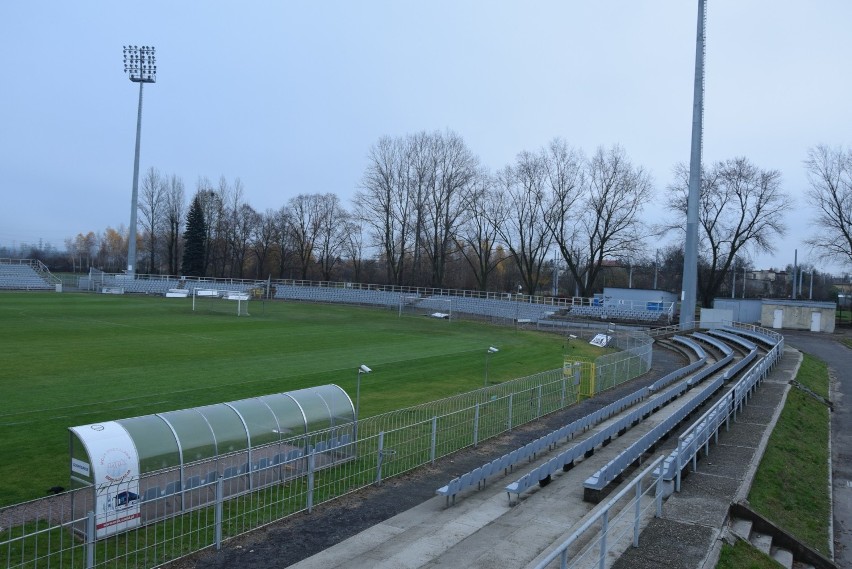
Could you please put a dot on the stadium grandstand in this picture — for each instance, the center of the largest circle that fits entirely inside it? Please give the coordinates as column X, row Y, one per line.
column 26, row 274
column 515, row 308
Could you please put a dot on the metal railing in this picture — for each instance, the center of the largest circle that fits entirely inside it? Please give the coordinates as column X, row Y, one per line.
column 706, row 428
column 615, row 524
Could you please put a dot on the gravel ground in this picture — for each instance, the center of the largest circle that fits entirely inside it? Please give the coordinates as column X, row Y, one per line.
column 300, row 536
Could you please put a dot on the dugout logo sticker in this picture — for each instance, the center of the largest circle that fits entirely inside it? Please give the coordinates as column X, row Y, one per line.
column 115, row 464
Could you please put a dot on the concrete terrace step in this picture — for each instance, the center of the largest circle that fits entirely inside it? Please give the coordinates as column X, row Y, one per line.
column 762, row 541
column 782, row 556
column 741, row 528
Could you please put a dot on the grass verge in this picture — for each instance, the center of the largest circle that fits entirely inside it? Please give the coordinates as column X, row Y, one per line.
column 743, row 556
column 791, row 484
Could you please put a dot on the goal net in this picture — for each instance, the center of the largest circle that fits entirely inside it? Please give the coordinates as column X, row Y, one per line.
column 432, row 307
column 220, row 301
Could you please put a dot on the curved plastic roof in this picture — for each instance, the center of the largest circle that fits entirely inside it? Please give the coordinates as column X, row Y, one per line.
column 181, row 437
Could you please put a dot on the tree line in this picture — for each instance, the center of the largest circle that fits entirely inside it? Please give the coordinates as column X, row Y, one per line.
column 427, row 212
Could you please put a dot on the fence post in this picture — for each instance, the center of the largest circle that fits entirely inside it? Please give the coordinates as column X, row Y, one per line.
column 511, row 398
column 90, row 540
column 638, row 513
column 311, row 481
column 476, row 425
column 604, row 530
column 538, row 410
column 220, row 494
column 434, row 438
column 379, row 456
column 678, row 463
column 564, row 389
column 658, row 497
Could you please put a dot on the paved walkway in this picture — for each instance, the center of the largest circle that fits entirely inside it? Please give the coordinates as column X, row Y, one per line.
column 483, row 530
column 689, row 533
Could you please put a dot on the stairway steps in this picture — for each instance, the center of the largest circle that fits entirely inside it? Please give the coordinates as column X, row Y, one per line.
column 782, row 556
column 741, row 528
column 761, row 541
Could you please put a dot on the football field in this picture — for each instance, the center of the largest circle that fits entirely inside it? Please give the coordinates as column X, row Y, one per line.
column 71, row 359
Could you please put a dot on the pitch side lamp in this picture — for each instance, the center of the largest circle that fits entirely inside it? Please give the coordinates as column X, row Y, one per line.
column 140, row 64
column 491, row 350
column 361, row 369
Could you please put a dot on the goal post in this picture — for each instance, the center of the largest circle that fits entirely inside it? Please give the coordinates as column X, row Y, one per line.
column 220, row 301
column 433, row 307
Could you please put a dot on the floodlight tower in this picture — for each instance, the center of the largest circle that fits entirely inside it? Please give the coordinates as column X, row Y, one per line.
column 690, row 256
column 141, row 66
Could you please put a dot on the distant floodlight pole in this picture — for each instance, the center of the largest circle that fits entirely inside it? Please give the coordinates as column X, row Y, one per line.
column 491, row 350
column 141, row 66
column 690, row 256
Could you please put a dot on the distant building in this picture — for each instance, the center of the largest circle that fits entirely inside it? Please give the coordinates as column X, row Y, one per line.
column 798, row 315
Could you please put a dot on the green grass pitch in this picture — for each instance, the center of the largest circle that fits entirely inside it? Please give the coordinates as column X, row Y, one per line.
column 71, row 359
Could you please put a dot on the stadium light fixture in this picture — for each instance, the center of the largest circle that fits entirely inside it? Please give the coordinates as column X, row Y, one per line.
column 140, row 64
column 491, row 350
column 361, row 369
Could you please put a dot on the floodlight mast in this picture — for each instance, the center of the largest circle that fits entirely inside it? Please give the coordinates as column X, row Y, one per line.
column 140, row 64
column 690, row 256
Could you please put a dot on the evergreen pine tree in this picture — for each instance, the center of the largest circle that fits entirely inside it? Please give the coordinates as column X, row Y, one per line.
column 194, row 240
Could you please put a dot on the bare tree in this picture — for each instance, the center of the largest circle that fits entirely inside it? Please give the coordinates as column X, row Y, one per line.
column 283, row 242
column 175, row 211
column 304, row 227
column 453, row 169
column 263, row 241
column 830, row 178
column 609, row 226
column 332, row 224
column 740, row 209
column 476, row 237
column 353, row 247
column 152, row 207
column 417, row 168
column 521, row 192
column 564, row 168
column 244, row 220
column 385, row 204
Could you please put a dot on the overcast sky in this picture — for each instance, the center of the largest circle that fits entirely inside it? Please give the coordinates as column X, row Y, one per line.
column 289, row 96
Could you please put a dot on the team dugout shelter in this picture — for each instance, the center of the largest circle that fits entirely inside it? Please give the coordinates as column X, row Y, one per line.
column 144, row 468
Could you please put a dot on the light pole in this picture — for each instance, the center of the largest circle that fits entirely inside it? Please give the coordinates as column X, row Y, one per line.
column 362, row 369
column 141, row 66
column 491, row 350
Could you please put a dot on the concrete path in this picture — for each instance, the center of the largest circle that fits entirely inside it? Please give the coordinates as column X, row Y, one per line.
column 483, row 530
column 688, row 535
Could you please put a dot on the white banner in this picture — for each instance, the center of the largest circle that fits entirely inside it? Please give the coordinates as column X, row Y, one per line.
column 601, row 340
column 115, row 465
